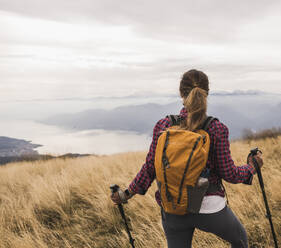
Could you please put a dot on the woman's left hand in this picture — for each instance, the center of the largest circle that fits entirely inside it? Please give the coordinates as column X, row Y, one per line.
column 258, row 158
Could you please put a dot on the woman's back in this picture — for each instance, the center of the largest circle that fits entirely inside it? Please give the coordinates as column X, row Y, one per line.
column 214, row 216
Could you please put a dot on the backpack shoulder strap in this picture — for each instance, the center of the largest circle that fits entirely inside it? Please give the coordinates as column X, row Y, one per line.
column 207, row 122
column 174, row 119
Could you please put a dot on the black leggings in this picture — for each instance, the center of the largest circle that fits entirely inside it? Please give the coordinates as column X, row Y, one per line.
column 179, row 229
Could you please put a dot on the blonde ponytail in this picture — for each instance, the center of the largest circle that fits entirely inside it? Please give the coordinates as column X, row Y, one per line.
column 196, row 105
column 194, row 89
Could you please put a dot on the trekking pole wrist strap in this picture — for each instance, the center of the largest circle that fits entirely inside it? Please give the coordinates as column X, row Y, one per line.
column 129, row 194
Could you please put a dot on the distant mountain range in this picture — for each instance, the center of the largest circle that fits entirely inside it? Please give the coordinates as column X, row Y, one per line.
column 238, row 112
column 138, row 118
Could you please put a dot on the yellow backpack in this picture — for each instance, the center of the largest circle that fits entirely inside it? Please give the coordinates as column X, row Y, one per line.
column 180, row 158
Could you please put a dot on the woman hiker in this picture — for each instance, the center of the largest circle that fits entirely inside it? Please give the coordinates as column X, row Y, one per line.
column 214, row 215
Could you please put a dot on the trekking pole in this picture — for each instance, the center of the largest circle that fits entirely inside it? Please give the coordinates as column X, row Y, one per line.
column 254, row 152
column 115, row 188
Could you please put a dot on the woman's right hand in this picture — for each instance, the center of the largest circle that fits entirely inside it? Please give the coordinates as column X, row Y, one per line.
column 120, row 197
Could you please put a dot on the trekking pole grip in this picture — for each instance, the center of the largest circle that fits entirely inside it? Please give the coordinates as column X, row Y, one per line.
column 114, row 188
column 253, row 153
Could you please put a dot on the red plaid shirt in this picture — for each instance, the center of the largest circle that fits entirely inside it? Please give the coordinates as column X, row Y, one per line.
column 220, row 162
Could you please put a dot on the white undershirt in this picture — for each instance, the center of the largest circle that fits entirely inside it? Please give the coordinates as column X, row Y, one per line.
column 212, row 204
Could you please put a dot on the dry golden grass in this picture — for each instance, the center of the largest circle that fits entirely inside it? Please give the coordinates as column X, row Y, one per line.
column 65, row 202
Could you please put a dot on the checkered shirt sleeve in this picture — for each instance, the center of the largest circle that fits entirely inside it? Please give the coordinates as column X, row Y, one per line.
column 146, row 175
column 223, row 164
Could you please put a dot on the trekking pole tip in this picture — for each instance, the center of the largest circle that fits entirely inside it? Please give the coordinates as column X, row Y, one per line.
column 254, row 151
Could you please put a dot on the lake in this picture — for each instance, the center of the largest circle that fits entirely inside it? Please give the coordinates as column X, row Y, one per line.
column 57, row 141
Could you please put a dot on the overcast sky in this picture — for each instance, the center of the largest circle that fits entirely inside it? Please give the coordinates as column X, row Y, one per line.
column 67, row 48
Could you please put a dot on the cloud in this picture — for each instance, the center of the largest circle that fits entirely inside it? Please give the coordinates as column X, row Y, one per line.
column 200, row 21
column 57, row 49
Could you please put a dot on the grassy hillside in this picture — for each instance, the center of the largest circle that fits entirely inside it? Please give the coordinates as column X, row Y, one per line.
column 65, row 202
